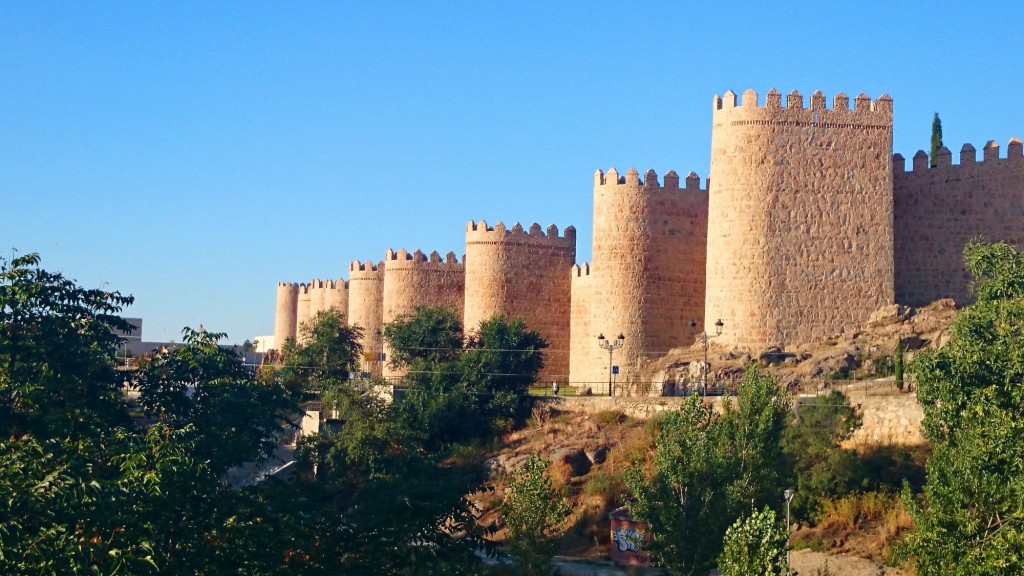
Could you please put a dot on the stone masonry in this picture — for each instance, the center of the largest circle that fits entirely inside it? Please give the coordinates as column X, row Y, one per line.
column 807, row 224
column 496, row 285
column 366, row 310
column 939, row 209
column 647, row 276
column 800, row 218
column 413, row 280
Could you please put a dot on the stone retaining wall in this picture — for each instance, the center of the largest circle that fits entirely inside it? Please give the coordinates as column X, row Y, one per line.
column 889, row 420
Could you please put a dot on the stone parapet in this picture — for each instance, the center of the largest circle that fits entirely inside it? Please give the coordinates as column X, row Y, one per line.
column 937, row 210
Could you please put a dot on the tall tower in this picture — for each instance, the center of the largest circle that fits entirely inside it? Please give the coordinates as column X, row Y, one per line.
column 366, row 309
column 800, row 233
column 514, row 273
column 285, row 317
column 414, row 280
column 648, row 272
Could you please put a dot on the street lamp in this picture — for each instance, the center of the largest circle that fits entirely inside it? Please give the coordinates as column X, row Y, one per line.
column 704, row 336
column 611, row 346
column 789, row 497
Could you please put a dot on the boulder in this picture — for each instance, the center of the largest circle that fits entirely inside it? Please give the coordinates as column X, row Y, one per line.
column 574, row 458
column 773, row 355
column 597, row 455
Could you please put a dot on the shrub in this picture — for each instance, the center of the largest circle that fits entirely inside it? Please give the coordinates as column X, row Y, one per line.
column 610, row 417
column 754, row 546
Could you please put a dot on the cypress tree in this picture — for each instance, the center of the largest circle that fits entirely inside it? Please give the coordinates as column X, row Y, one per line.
column 936, row 139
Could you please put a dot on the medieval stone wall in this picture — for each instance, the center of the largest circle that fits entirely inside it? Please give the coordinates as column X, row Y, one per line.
column 413, row 280
column 517, row 273
column 327, row 295
column 297, row 304
column 938, row 210
column 366, row 309
column 648, row 269
column 302, row 308
column 800, row 235
column 583, row 361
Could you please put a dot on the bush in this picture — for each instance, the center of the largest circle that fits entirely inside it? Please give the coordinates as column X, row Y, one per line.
column 610, row 417
column 608, row 485
column 754, row 546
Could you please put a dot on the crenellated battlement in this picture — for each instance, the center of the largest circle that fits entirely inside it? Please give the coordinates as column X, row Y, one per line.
column 968, row 159
column 649, row 183
column 581, row 270
column 368, row 266
column 864, row 112
column 402, row 258
column 477, row 232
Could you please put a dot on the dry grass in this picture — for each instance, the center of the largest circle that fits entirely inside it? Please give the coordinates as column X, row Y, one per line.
column 863, row 524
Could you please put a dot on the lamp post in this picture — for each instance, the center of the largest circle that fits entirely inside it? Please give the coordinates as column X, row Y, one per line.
column 611, row 346
column 789, row 497
column 705, row 336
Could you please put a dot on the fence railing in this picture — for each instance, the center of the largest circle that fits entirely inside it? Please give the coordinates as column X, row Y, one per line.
column 851, row 388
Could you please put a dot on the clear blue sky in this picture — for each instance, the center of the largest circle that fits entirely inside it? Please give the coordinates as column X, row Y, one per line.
column 193, row 154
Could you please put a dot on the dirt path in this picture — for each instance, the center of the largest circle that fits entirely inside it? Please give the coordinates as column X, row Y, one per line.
column 807, row 563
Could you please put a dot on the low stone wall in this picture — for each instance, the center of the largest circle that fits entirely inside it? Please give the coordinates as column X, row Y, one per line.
column 892, row 420
column 637, row 407
column 888, row 419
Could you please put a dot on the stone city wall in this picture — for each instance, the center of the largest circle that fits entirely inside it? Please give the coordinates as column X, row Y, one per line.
column 414, row 280
column 888, row 420
column 297, row 303
column 800, row 239
column 366, row 309
column 938, row 210
column 515, row 273
column 583, row 358
column 648, row 271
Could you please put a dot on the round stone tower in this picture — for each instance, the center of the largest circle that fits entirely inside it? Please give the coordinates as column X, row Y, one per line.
column 285, row 319
column 514, row 273
column 414, row 280
column 366, row 309
column 800, row 238
column 648, row 271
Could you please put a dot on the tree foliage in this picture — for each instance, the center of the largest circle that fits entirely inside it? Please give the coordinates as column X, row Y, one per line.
column 57, row 346
column 755, row 545
column 812, row 445
column 456, row 390
column 936, row 143
column 327, row 352
column 709, row 471
column 970, row 519
column 533, row 510
column 203, row 386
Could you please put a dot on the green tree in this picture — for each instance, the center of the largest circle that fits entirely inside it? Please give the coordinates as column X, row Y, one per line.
column 936, row 140
column 709, row 471
column 57, row 343
column 970, row 519
column 685, row 502
column 753, row 427
column 533, row 510
column 425, row 340
column 813, row 448
column 755, row 545
column 202, row 386
column 373, row 501
column 327, row 352
column 458, row 391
